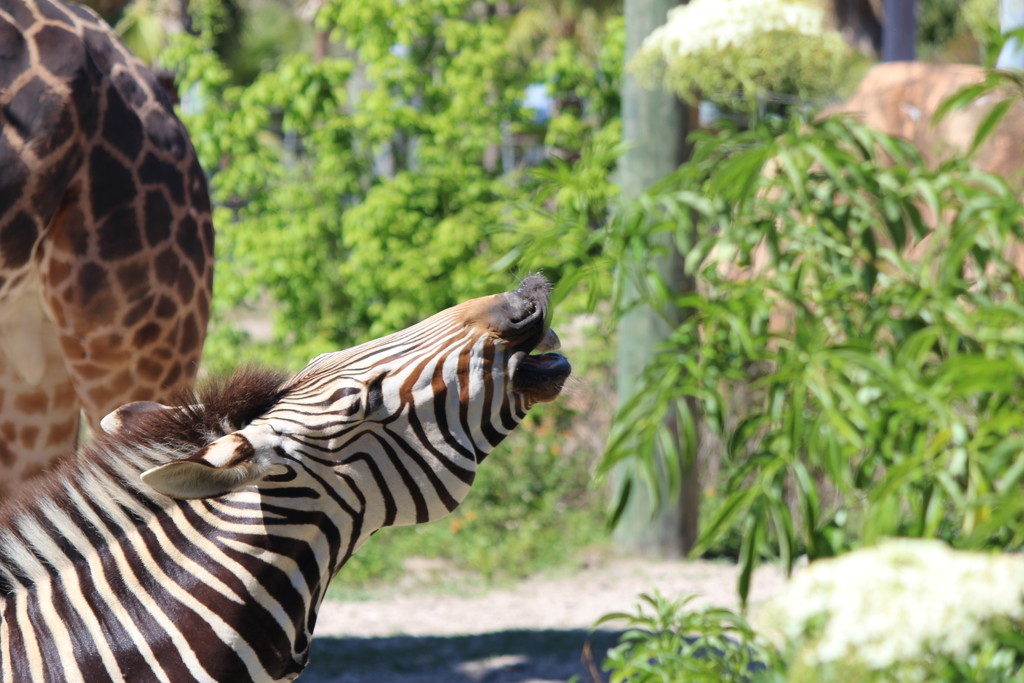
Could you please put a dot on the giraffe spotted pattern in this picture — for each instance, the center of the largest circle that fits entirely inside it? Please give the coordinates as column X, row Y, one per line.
column 196, row 543
column 106, row 241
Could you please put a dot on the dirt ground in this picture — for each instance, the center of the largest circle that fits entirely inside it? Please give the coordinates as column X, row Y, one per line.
column 537, row 631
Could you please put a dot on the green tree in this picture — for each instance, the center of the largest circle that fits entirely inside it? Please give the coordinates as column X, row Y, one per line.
column 364, row 190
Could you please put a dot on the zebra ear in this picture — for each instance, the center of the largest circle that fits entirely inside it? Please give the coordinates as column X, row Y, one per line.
column 128, row 414
column 229, row 463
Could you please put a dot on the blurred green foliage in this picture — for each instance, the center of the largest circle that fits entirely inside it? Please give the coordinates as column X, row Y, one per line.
column 982, row 18
column 365, row 190
column 252, row 32
column 939, row 22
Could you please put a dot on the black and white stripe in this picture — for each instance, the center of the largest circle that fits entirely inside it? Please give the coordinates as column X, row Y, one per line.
column 197, row 542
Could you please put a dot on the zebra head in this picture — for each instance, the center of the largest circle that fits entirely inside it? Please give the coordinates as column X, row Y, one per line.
column 398, row 424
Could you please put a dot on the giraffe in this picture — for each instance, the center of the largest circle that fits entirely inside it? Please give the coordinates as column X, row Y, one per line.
column 106, row 238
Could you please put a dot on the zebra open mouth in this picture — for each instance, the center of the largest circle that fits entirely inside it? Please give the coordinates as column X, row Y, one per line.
column 541, row 376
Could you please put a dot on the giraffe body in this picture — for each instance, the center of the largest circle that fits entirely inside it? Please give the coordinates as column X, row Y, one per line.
column 106, row 240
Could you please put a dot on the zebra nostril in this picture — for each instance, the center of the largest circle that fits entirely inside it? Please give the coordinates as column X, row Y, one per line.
column 521, row 310
column 526, row 306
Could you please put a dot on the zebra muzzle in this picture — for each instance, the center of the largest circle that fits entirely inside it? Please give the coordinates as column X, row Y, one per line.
column 541, row 375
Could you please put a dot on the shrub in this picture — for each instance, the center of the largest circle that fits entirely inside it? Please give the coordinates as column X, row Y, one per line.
column 891, row 612
column 900, row 612
column 666, row 641
column 867, row 308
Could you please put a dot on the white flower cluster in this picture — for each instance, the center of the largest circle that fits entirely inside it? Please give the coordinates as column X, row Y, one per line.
column 894, row 603
column 718, row 24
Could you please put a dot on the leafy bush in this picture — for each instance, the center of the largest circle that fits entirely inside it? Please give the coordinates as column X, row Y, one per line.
column 866, row 309
column 666, row 641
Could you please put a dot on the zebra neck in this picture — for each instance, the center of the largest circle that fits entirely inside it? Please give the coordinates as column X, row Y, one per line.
column 246, row 571
column 397, row 488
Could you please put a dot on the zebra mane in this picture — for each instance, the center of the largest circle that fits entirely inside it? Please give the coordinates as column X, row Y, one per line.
column 220, row 406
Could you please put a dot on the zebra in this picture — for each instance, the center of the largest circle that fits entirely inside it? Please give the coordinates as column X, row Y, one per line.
column 195, row 542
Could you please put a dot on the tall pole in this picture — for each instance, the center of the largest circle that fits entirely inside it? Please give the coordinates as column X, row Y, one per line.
column 655, row 126
column 899, row 32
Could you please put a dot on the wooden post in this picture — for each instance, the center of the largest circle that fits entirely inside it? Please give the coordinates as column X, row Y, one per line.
column 655, row 126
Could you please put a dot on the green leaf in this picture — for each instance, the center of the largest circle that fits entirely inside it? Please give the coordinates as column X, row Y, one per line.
column 961, row 99
column 750, row 550
column 737, row 504
column 989, row 123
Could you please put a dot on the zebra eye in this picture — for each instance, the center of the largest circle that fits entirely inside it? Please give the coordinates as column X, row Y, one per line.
column 346, row 401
